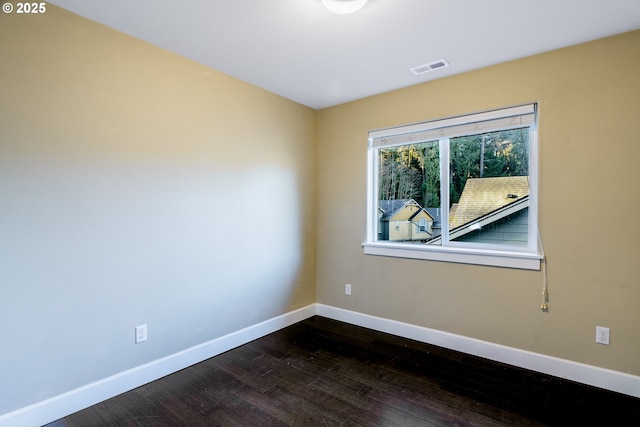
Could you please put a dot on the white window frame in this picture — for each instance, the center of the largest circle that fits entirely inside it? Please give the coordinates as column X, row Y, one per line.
column 469, row 253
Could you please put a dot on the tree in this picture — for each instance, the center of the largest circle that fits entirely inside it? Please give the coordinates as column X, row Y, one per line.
column 413, row 170
column 408, row 171
column 488, row 155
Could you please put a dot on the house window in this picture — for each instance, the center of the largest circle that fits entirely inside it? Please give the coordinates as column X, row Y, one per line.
column 469, row 182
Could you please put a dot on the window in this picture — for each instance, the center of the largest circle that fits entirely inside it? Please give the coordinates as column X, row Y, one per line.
column 468, row 184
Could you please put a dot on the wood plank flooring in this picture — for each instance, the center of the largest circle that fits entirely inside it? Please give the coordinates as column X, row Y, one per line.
column 322, row 372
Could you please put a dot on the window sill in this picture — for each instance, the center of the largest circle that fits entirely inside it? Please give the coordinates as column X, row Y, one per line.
column 520, row 260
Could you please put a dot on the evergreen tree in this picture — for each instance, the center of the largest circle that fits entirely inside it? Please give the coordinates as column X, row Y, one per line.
column 413, row 171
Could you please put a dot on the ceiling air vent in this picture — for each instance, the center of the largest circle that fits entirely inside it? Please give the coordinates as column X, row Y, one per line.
column 436, row 65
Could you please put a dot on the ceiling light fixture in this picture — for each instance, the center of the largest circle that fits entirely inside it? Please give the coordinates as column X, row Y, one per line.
column 344, row 7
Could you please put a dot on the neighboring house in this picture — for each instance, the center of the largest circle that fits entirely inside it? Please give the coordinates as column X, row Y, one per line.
column 403, row 220
column 491, row 210
column 436, row 214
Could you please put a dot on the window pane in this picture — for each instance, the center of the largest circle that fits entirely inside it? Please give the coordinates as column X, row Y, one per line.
column 409, row 192
column 489, row 188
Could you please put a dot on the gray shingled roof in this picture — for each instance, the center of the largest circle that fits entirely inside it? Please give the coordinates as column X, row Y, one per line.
column 435, row 213
column 391, row 207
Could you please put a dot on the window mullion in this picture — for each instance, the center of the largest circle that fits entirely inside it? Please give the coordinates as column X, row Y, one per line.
column 533, row 189
column 372, row 195
column 444, row 189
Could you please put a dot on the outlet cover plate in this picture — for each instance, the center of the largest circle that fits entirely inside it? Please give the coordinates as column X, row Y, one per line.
column 602, row 335
column 141, row 333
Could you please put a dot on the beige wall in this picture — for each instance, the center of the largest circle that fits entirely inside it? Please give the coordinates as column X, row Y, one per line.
column 137, row 187
column 588, row 99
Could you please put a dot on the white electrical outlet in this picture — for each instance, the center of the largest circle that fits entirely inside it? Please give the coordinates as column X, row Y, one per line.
column 141, row 333
column 602, row 335
column 347, row 289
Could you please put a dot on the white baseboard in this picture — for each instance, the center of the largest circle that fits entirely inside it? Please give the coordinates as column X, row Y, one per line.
column 67, row 403
column 592, row 375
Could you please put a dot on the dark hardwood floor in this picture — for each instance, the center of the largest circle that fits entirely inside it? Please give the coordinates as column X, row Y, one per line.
column 322, row 372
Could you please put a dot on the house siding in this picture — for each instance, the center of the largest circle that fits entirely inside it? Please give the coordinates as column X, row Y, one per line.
column 401, row 228
column 511, row 230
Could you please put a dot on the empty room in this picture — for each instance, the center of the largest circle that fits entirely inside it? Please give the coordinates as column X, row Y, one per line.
column 287, row 212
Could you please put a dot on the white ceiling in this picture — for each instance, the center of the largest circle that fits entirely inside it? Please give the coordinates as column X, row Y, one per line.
column 298, row 49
